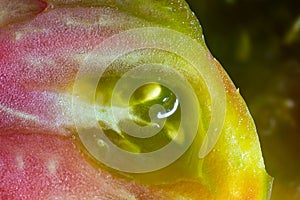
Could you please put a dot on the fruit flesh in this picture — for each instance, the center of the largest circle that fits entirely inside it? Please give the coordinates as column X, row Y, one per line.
column 40, row 59
column 263, row 61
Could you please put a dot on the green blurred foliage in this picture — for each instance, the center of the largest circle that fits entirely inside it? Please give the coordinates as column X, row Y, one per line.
column 258, row 43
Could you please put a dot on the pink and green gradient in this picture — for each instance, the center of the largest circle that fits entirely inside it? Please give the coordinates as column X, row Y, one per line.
column 41, row 49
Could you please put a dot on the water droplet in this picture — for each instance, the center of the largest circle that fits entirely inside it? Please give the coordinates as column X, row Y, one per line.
column 169, row 112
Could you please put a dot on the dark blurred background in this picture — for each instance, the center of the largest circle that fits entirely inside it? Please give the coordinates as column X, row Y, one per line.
column 258, row 43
